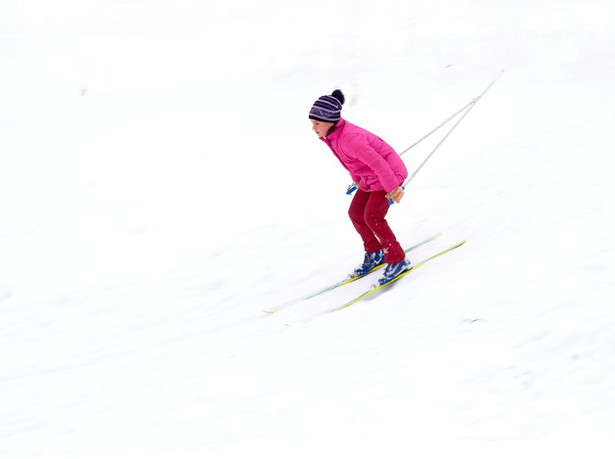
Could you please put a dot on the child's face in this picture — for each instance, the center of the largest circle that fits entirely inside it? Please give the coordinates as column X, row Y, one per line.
column 320, row 127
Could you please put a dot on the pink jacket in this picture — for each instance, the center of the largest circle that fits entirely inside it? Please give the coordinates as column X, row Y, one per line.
column 368, row 158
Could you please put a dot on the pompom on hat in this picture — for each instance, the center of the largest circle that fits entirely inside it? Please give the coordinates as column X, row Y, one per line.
column 328, row 108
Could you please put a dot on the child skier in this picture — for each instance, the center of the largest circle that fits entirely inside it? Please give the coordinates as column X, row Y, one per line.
column 378, row 172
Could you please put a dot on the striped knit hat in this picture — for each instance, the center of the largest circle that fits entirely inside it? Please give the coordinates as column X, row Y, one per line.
column 328, row 108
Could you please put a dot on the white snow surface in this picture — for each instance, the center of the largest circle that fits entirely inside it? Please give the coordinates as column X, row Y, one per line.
column 160, row 185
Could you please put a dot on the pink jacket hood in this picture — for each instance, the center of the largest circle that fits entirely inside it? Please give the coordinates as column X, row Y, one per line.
column 369, row 159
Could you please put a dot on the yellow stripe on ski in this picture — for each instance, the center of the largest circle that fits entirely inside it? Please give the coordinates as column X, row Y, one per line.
column 375, row 289
column 344, row 282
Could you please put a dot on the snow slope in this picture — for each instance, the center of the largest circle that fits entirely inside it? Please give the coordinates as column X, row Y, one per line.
column 160, row 185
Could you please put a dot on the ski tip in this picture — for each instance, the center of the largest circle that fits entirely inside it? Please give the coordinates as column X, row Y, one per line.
column 270, row 311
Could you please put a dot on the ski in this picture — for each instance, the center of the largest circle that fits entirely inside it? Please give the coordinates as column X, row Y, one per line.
column 341, row 283
column 373, row 290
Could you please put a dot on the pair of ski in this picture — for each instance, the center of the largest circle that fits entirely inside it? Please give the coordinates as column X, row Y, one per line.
column 372, row 290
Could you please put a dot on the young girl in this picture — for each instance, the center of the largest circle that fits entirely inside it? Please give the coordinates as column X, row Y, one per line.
column 378, row 172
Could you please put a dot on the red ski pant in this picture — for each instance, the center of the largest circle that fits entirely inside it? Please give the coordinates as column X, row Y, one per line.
column 367, row 212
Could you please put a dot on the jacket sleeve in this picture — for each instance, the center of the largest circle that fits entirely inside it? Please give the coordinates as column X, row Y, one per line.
column 359, row 148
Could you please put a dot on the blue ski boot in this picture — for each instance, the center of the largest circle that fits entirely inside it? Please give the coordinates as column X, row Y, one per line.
column 371, row 260
column 392, row 271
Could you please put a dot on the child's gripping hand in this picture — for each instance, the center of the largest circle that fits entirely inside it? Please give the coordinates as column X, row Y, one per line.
column 397, row 194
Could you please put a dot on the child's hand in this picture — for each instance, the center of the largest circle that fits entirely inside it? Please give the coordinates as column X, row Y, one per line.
column 396, row 194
